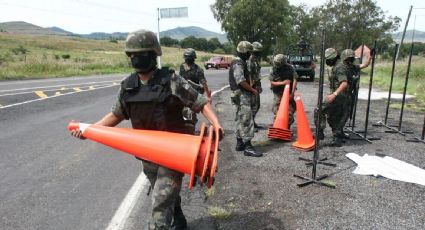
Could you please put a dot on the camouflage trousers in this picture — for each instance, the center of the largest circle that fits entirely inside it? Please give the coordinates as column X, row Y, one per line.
column 255, row 103
column 241, row 101
column 349, row 107
column 166, row 185
column 292, row 107
column 336, row 113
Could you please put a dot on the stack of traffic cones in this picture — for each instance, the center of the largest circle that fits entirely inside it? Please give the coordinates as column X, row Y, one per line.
column 193, row 155
column 280, row 129
column 305, row 140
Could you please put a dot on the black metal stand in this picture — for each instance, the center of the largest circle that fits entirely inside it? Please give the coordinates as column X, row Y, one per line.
column 314, row 179
column 352, row 122
column 384, row 123
column 364, row 136
column 400, row 121
column 321, row 161
column 417, row 139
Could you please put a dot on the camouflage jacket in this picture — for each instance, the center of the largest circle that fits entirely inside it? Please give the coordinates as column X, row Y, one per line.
column 286, row 72
column 254, row 69
column 337, row 76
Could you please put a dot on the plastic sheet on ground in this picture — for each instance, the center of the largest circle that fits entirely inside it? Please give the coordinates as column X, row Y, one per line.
column 387, row 167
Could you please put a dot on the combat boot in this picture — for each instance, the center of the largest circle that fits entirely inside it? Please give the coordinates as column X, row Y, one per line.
column 179, row 221
column 240, row 146
column 343, row 135
column 336, row 142
column 250, row 151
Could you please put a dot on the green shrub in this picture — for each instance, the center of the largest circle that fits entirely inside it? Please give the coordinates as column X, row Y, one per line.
column 66, row 56
column 205, row 58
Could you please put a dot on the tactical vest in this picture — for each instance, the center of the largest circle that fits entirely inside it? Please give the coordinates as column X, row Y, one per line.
column 193, row 74
column 232, row 81
column 190, row 73
column 285, row 72
column 152, row 106
column 352, row 72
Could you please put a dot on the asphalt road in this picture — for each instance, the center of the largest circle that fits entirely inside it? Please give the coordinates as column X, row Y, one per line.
column 51, row 180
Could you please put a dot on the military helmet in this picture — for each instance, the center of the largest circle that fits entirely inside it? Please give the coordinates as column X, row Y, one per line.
column 189, row 53
column 279, row 60
column 348, row 53
column 330, row 53
column 244, row 47
column 142, row 40
column 257, row 47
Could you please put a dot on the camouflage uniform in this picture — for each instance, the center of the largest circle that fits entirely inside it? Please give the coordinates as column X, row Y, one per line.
column 241, row 101
column 165, row 183
column 241, row 96
column 337, row 111
column 157, row 105
column 285, row 72
column 254, row 69
column 353, row 74
column 195, row 76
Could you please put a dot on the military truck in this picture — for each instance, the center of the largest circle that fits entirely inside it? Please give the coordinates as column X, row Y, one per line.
column 301, row 56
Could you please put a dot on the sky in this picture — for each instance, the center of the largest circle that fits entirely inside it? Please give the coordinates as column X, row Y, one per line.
column 86, row 16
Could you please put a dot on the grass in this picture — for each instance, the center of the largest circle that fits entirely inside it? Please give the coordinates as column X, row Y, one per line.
column 58, row 56
column 219, row 213
column 416, row 83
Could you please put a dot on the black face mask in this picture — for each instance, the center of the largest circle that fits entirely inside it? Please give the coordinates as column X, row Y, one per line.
column 350, row 60
column 189, row 61
column 143, row 63
column 244, row 56
column 330, row 62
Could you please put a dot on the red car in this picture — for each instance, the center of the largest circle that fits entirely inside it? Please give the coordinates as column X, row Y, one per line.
column 218, row 62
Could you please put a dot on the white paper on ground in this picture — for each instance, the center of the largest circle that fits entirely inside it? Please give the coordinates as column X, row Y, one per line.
column 387, row 167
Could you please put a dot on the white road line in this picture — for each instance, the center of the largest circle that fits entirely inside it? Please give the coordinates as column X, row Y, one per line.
column 55, row 86
column 60, row 80
column 49, row 90
column 123, row 212
column 39, row 99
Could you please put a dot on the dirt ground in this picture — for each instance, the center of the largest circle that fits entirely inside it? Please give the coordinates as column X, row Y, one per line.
column 262, row 193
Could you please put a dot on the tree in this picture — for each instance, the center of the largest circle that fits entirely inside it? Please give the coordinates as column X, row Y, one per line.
column 213, row 44
column 265, row 21
column 168, row 41
column 350, row 23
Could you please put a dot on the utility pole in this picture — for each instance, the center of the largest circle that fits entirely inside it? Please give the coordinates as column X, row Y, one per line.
column 159, row 42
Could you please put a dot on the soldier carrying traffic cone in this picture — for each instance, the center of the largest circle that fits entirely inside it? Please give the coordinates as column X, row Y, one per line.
column 153, row 99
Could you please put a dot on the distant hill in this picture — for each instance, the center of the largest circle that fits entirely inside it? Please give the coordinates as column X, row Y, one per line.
column 20, row 27
column 198, row 32
column 59, row 30
column 419, row 36
column 105, row 36
column 179, row 33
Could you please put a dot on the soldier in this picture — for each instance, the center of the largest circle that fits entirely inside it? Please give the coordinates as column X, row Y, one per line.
column 337, row 101
column 190, row 71
column 353, row 75
column 283, row 74
column 254, row 69
column 241, row 96
column 153, row 99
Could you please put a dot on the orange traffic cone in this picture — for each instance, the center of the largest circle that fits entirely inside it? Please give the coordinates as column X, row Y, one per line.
column 189, row 154
column 305, row 140
column 280, row 129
